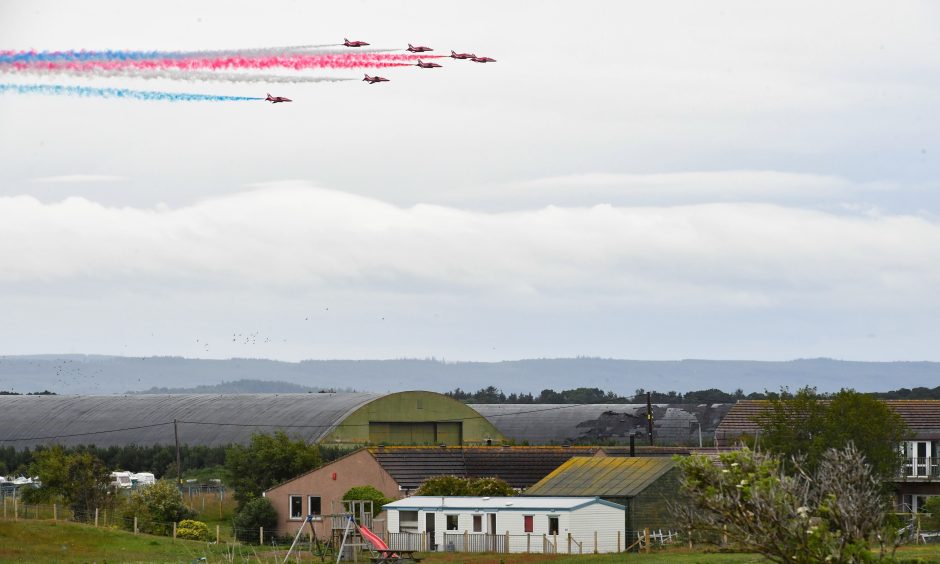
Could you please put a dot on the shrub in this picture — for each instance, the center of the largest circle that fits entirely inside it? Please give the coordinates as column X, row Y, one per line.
column 156, row 507
column 455, row 485
column 368, row 493
column 254, row 514
column 192, row 530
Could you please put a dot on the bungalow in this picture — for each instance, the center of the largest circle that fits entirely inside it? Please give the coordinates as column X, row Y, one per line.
column 505, row 524
column 399, row 471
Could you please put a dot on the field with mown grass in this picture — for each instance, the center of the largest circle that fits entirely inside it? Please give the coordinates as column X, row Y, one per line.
column 48, row 541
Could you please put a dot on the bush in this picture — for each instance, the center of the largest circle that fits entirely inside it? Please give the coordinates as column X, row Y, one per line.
column 931, row 520
column 192, row 530
column 368, row 493
column 455, row 485
column 254, row 514
column 156, row 507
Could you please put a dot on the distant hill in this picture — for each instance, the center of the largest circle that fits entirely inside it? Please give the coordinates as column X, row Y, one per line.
column 90, row 374
column 244, row 387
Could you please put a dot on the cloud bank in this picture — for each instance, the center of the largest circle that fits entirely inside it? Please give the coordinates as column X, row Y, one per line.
column 292, row 237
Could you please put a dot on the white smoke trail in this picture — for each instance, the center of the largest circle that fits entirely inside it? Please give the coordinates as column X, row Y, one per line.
column 184, row 75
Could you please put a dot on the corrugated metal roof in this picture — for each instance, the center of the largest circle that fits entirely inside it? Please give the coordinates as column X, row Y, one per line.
column 594, row 423
column 147, row 419
column 921, row 416
column 602, row 476
column 504, row 503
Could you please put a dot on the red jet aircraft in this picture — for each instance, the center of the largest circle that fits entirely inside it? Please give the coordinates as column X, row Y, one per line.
column 374, row 79
column 349, row 43
column 427, row 65
column 483, row 60
column 276, row 99
column 418, row 49
column 461, row 55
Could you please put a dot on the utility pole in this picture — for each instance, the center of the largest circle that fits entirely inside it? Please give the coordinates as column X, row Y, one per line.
column 649, row 417
column 179, row 474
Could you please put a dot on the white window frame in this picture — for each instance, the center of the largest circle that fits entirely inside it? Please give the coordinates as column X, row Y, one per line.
column 290, row 507
column 447, row 517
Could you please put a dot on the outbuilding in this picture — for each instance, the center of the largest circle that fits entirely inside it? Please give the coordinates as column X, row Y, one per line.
column 643, row 485
column 576, row 525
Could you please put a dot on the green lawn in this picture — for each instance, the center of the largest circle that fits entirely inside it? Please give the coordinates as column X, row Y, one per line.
column 48, row 541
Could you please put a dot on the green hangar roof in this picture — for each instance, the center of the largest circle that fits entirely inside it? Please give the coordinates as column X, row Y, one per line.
column 602, row 476
column 417, row 417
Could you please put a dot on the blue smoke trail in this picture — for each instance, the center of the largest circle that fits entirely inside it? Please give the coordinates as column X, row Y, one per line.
column 85, row 91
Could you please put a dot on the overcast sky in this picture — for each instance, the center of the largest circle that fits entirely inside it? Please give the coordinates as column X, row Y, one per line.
column 631, row 179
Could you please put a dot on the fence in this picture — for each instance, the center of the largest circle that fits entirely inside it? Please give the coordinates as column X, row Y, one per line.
column 453, row 541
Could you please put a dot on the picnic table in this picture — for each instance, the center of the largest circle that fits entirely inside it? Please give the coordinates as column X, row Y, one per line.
column 389, row 556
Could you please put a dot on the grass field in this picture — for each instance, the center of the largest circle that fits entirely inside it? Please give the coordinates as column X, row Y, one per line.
column 47, row 541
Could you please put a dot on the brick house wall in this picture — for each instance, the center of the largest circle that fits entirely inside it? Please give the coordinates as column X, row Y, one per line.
column 329, row 483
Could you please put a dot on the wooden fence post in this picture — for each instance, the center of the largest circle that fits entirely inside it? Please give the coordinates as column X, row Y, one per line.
column 466, row 538
column 618, row 541
column 16, row 513
column 216, row 534
column 569, row 543
column 595, row 542
column 506, row 548
column 528, row 542
column 555, row 548
column 544, row 543
column 174, row 531
column 260, row 535
column 96, row 517
column 724, row 536
column 55, row 511
column 646, row 535
column 690, row 539
column 135, row 524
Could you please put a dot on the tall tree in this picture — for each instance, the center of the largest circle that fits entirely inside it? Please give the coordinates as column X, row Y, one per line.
column 79, row 478
column 266, row 461
column 806, row 424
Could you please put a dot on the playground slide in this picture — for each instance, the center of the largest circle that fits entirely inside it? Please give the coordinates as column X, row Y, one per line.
column 374, row 539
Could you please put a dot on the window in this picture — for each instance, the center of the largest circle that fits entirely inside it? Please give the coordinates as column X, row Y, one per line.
column 313, row 505
column 527, row 523
column 451, row 522
column 553, row 525
column 477, row 523
column 296, row 507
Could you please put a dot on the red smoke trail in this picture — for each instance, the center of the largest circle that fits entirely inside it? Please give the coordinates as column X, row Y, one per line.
column 295, row 62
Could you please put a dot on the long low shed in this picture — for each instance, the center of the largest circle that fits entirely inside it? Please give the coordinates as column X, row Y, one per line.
column 576, row 525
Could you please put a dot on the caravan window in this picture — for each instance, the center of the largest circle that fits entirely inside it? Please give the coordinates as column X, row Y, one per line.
column 553, row 525
column 527, row 524
column 296, row 507
column 451, row 522
column 477, row 523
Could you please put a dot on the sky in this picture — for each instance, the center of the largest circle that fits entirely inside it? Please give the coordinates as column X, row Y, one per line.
column 722, row 180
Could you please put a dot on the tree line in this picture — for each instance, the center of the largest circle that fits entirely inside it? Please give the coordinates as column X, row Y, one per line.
column 492, row 394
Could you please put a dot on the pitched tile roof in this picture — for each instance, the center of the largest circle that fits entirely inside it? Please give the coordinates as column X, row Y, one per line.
column 519, row 466
column 921, row 416
column 603, row 476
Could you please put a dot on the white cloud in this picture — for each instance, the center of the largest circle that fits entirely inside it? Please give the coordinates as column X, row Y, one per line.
column 78, row 179
column 296, row 238
column 675, row 188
